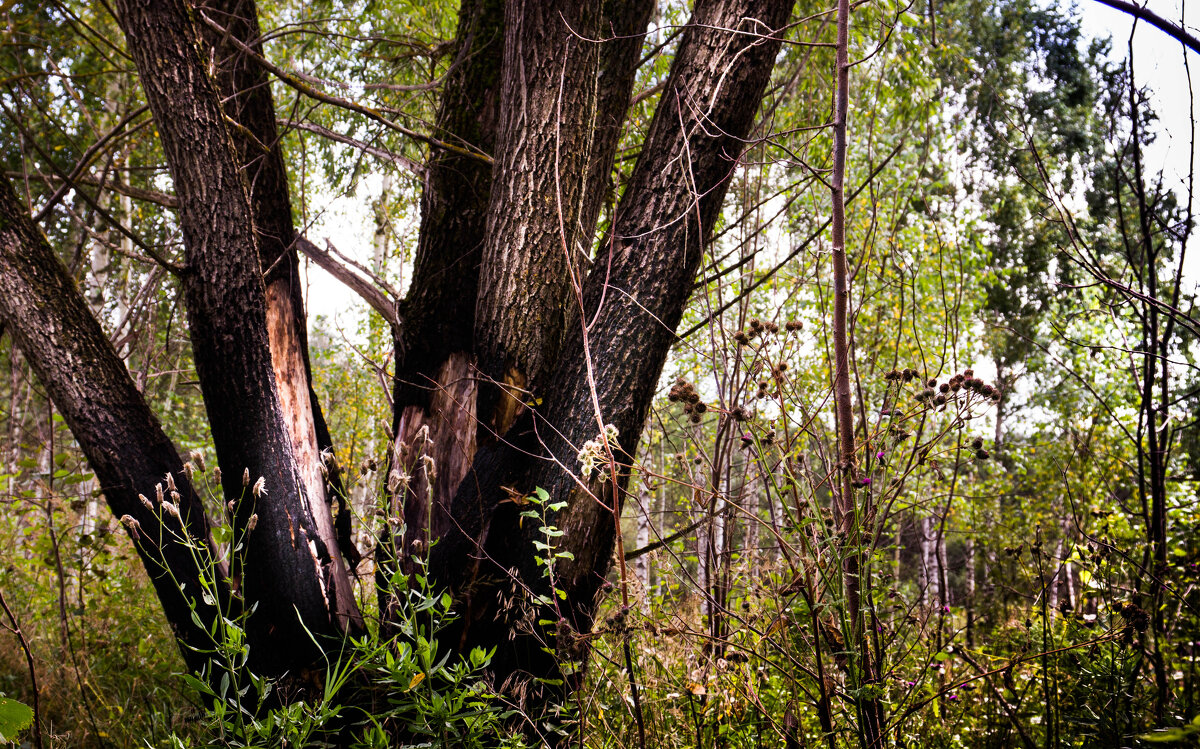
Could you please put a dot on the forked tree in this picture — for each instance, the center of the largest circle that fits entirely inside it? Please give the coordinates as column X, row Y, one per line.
column 522, row 338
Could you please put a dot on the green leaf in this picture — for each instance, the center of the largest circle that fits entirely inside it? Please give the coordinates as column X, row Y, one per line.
column 14, row 718
column 1162, row 737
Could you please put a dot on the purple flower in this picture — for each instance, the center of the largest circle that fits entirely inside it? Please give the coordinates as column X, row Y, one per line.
column 879, row 455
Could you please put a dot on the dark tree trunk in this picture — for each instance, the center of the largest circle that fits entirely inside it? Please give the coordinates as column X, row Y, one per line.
column 435, row 390
column 246, row 95
column 436, row 382
column 633, row 300
column 533, row 246
column 289, row 573
column 85, row 378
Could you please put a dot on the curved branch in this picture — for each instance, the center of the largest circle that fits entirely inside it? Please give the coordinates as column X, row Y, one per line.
column 313, row 93
column 1173, row 30
column 356, row 283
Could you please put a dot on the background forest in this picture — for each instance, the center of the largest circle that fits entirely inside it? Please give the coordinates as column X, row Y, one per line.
column 1020, row 564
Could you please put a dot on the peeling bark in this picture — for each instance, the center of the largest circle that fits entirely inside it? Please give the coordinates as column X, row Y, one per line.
column 290, row 573
column 246, row 94
column 435, row 346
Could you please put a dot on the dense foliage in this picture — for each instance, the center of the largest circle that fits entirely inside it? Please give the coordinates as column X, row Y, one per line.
column 1026, row 538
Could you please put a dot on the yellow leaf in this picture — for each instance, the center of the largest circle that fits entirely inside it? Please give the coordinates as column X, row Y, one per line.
column 416, row 680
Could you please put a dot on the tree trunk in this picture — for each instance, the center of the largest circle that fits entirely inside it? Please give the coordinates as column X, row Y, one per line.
column 290, row 573
column 246, row 95
column 632, row 301
column 125, row 445
column 434, row 387
column 533, row 245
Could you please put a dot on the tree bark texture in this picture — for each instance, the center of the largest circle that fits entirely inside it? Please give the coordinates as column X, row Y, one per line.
column 124, row 443
column 534, row 244
column 289, row 572
column 434, row 391
column 633, row 301
column 246, row 95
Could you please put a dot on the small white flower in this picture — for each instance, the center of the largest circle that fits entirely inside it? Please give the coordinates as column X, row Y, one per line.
column 260, row 487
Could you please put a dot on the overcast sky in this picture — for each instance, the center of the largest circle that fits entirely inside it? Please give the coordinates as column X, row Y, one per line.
column 1158, row 63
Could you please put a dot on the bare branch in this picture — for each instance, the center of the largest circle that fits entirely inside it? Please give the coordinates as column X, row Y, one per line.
column 313, row 93
column 137, row 193
column 377, row 152
column 356, row 283
column 1174, row 30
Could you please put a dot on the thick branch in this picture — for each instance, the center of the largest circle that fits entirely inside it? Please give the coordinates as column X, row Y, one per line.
column 1174, row 30
column 125, row 445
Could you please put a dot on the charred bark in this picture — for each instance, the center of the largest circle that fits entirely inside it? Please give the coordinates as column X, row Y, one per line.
column 289, row 572
column 633, row 302
column 41, row 306
column 434, row 390
column 246, row 95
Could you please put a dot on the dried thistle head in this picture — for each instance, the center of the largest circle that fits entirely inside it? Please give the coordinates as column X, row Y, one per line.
column 197, row 458
column 217, row 474
column 131, row 523
column 146, row 502
column 260, row 487
column 252, row 523
column 170, row 509
column 158, row 493
column 170, row 481
column 245, row 477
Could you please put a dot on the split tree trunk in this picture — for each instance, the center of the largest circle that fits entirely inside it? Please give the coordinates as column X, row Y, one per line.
column 607, row 372
column 290, row 573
